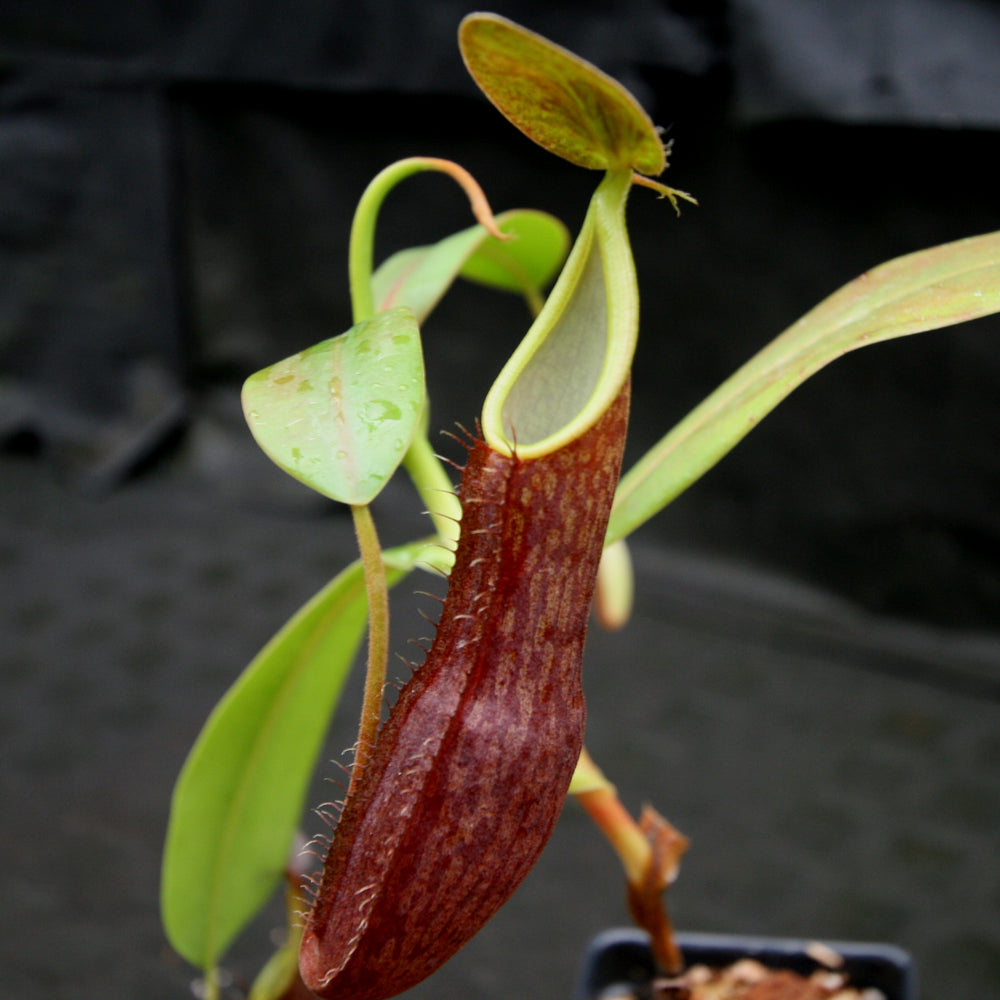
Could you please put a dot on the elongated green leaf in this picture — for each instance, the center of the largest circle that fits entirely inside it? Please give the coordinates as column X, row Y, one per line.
column 526, row 263
column 557, row 99
column 419, row 277
column 574, row 359
column 240, row 796
column 339, row 416
column 921, row 291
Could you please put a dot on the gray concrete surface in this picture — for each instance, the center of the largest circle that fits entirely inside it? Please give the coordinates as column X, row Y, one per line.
column 838, row 773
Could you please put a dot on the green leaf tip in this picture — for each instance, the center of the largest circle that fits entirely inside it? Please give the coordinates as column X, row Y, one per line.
column 559, row 100
column 525, row 261
column 340, row 415
column 574, row 359
column 528, row 261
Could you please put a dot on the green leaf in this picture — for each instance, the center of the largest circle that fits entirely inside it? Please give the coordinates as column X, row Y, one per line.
column 573, row 360
column 922, row 291
column 361, row 248
column 420, row 276
column 239, row 799
column 557, row 99
column 339, row 416
column 527, row 262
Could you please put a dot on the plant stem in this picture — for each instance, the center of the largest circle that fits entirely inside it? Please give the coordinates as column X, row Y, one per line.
column 378, row 637
column 211, row 984
column 600, row 800
column 361, row 250
column 428, row 474
column 650, row 852
column 425, row 469
column 435, row 488
column 615, row 590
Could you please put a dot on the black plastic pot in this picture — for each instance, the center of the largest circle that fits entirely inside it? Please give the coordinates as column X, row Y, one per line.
column 620, row 959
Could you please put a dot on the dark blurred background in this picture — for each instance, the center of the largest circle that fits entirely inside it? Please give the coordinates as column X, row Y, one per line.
column 176, row 185
column 177, row 181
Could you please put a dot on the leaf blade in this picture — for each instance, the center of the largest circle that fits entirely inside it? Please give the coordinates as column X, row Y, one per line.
column 926, row 290
column 356, row 399
column 529, row 261
column 420, row 276
column 240, row 795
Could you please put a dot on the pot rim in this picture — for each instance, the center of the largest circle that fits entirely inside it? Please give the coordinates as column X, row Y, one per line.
column 622, row 955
